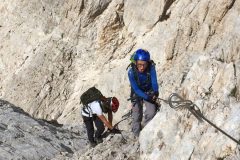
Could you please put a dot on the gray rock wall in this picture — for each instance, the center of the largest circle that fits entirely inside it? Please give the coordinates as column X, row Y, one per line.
column 22, row 137
column 52, row 51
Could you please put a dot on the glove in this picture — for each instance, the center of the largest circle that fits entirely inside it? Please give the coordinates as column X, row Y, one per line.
column 156, row 94
column 115, row 131
column 153, row 97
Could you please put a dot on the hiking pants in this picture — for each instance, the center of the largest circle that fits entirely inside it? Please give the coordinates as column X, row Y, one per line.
column 88, row 121
column 137, row 115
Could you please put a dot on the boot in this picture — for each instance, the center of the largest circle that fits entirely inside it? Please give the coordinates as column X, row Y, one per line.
column 92, row 144
column 99, row 140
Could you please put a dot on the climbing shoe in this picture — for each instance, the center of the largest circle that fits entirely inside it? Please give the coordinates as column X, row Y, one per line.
column 99, row 140
column 92, row 144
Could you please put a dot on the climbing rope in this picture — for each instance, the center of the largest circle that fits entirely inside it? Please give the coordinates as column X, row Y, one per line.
column 116, row 126
column 106, row 133
column 176, row 102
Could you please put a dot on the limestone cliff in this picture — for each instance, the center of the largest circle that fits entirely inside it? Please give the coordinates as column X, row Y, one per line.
column 52, row 51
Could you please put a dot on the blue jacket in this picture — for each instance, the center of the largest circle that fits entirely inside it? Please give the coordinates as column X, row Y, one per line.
column 145, row 84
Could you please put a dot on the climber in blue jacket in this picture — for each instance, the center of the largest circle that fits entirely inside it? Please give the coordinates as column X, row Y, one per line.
column 144, row 89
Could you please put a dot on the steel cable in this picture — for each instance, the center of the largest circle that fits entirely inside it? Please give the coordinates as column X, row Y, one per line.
column 177, row 102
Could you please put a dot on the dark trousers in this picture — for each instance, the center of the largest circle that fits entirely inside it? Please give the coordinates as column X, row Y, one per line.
column 88, row 121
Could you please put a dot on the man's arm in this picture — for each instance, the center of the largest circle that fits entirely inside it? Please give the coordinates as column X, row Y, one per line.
column 154, row 79
column 110, row 117
column 104, row 120
column 107, row 123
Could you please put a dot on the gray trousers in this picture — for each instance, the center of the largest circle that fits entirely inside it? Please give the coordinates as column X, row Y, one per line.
column 137, row 115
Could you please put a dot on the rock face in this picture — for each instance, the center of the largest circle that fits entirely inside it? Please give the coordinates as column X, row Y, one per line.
column 52, row 51
column 22, row 137
column 178, row 134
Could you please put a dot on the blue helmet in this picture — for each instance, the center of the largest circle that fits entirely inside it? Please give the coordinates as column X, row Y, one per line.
column 142, row 55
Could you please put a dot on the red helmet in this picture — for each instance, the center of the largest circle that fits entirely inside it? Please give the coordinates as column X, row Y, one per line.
column 114, row 104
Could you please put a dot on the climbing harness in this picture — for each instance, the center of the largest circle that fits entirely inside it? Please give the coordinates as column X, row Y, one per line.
column 157, row 103
column 176, row 102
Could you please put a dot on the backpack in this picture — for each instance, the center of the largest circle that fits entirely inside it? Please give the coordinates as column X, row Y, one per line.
column 92, row 94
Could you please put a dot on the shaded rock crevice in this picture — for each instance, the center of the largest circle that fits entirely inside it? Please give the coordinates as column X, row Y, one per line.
column 165, row 15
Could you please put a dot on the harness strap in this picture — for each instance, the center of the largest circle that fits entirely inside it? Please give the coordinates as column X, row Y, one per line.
column 87, row 110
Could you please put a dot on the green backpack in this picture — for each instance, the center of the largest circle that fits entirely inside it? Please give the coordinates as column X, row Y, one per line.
column 92, row 94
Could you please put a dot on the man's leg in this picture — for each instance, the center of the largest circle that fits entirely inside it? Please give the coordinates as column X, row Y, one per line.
column 100, row 129
column 88, row 121
column 150, row 112
column 137, row 114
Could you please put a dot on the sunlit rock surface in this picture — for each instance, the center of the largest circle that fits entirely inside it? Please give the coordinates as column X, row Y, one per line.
column 52, row 51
